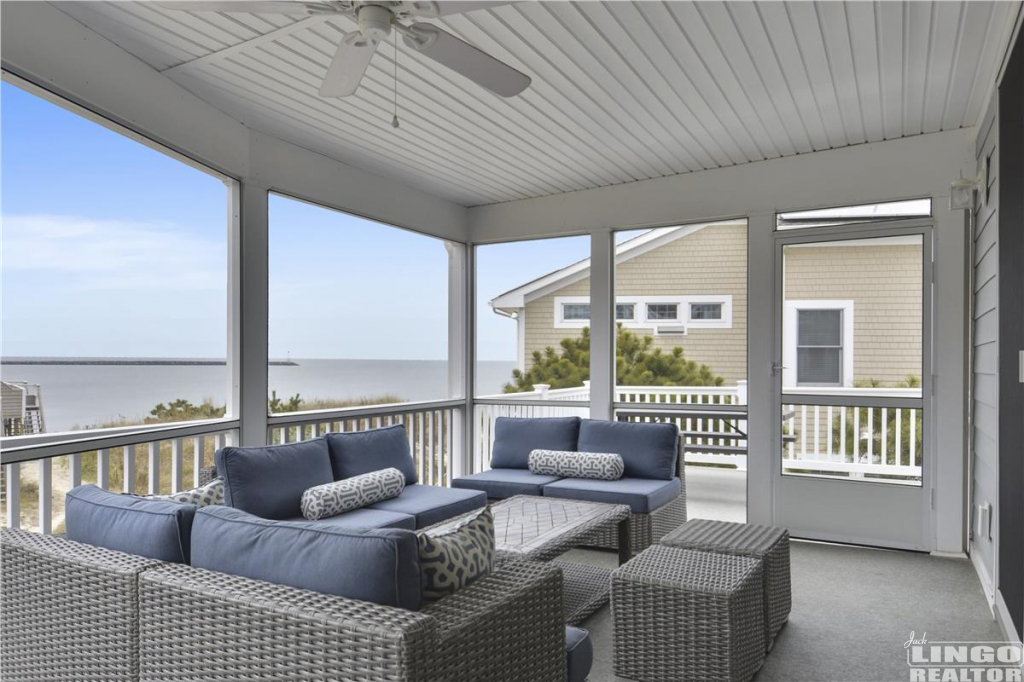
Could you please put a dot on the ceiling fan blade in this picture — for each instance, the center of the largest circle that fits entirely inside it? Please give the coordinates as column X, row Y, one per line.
column 461, row 57
column 348, row 66
column 443, row 8
column 253, row 7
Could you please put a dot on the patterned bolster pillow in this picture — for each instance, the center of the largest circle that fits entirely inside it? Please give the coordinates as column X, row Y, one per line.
column 203, row 496
column 606, row 466
column 338, row 497
column 456, row 555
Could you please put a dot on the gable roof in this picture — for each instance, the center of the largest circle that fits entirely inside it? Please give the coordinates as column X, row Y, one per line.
column 553, row 281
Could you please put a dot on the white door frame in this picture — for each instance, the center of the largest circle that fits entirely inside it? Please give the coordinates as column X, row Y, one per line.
column 876, row 514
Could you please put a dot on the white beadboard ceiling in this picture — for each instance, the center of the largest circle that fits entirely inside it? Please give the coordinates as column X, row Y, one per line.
column 622, row 91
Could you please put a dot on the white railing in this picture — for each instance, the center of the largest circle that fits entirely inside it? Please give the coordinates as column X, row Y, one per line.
column 708, row 441
column 883, row 444
column 38, row 471
column 434, row 430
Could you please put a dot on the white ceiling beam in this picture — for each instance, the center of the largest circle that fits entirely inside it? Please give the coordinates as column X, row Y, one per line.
column 905, row 168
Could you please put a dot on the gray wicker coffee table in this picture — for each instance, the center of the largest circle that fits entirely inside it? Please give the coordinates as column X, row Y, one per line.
column 542, row 528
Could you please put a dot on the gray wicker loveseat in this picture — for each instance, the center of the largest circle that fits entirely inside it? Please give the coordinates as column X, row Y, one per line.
column 75, row 611
column 152, row 589
column 653, row 485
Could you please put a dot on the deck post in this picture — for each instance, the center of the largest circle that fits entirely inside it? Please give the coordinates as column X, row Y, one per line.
column 602, row 324
column 247, row 311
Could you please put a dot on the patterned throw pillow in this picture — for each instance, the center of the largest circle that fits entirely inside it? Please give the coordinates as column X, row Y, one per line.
column 457, row 555
column 603, row 465
column 338, row 497
column 204, row 495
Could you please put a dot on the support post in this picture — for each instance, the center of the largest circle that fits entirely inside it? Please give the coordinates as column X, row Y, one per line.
column 762, row 449
column 602, row 324
column 459, row 339
column 247, row 311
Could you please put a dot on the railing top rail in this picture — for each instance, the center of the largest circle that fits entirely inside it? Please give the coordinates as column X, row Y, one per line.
column 319, row 416
column 45, row 446
column 532, row 402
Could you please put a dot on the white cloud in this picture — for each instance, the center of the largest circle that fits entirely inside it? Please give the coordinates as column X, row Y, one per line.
column 113, row 255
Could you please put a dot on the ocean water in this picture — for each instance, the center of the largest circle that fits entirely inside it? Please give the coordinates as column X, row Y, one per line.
column 79, row 396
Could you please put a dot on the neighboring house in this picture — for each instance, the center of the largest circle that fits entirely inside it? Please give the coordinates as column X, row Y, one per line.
column 687, row 286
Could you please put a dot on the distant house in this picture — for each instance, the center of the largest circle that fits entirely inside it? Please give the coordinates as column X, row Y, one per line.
column 852, row 310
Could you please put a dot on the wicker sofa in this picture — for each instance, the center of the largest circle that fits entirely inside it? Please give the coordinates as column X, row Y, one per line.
column 75, row 611
column 654, row 484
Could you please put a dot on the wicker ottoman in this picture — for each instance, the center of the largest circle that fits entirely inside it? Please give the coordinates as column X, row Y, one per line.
column 684, row 615
column 767, row 543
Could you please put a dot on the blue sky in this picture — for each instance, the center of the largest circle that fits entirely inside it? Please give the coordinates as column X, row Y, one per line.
column 113, row 249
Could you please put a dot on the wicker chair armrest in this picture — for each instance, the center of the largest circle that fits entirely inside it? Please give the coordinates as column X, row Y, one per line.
column 508, row 627
column 59, row 550
column 71, row 611
column 200, row 624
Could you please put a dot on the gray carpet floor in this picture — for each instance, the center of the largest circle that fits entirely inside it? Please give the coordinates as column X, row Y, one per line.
column 853, row 608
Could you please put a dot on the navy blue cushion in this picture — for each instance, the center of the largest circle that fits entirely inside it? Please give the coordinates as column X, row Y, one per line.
column 515, row 439
column 502, row 483
column 579, row 653
column 157, row 529
column 361, row 452
column 269, row 481
column 431, row 504
column 375, row 565
column 364, row 518
column 649, row 450
column 643, row 495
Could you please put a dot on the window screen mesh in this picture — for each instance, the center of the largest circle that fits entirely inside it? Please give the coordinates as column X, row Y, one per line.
column 820, row 328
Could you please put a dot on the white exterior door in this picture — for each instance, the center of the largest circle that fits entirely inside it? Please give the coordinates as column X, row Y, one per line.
column 852, row 383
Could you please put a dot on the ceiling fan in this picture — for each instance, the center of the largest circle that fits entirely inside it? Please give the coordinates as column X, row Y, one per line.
column 376, row 19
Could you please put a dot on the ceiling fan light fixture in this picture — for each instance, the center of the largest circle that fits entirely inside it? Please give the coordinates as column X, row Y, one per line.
column 374, row 22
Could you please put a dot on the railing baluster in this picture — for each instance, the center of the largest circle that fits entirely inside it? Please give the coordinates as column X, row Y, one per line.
column 817, row 432
column 885, row 436
column 103, row 468
column 899, row 437
column 831, row 425
column 14, row 495
column 75, row 470
column 198, row 458
column 803, row 432
column 154, row 468
column 129, row 469
column 856, row 435
column 176, row 465
column 842, row 433
column 45, row 496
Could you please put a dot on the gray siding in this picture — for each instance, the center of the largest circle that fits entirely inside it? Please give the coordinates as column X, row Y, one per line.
column 985, row 429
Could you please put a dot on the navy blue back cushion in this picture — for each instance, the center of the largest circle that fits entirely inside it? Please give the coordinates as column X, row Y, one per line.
column 648, row 450
column 361, row 452
column 269, row 481
column 515, row 439
column 375, row 565
column 157, row 529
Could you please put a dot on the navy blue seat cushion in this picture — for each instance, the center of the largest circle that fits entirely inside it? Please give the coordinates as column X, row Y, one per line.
column 361, row 452
column 648, row 450
column 157, row 529
column 375, row 565
column 269, row 481
column 502, row 483
column 364, row 518
column 579, row 653
column 515, row 439
column 431, row 504
column 643, row 495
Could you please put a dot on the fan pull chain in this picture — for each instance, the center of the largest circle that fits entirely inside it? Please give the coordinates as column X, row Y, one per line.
column 394, row 119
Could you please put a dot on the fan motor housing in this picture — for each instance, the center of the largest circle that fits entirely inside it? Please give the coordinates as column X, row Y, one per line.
column 374, row 22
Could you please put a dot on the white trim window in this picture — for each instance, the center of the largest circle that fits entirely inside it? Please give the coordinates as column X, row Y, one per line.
column 648, row 312
column 818, row 344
